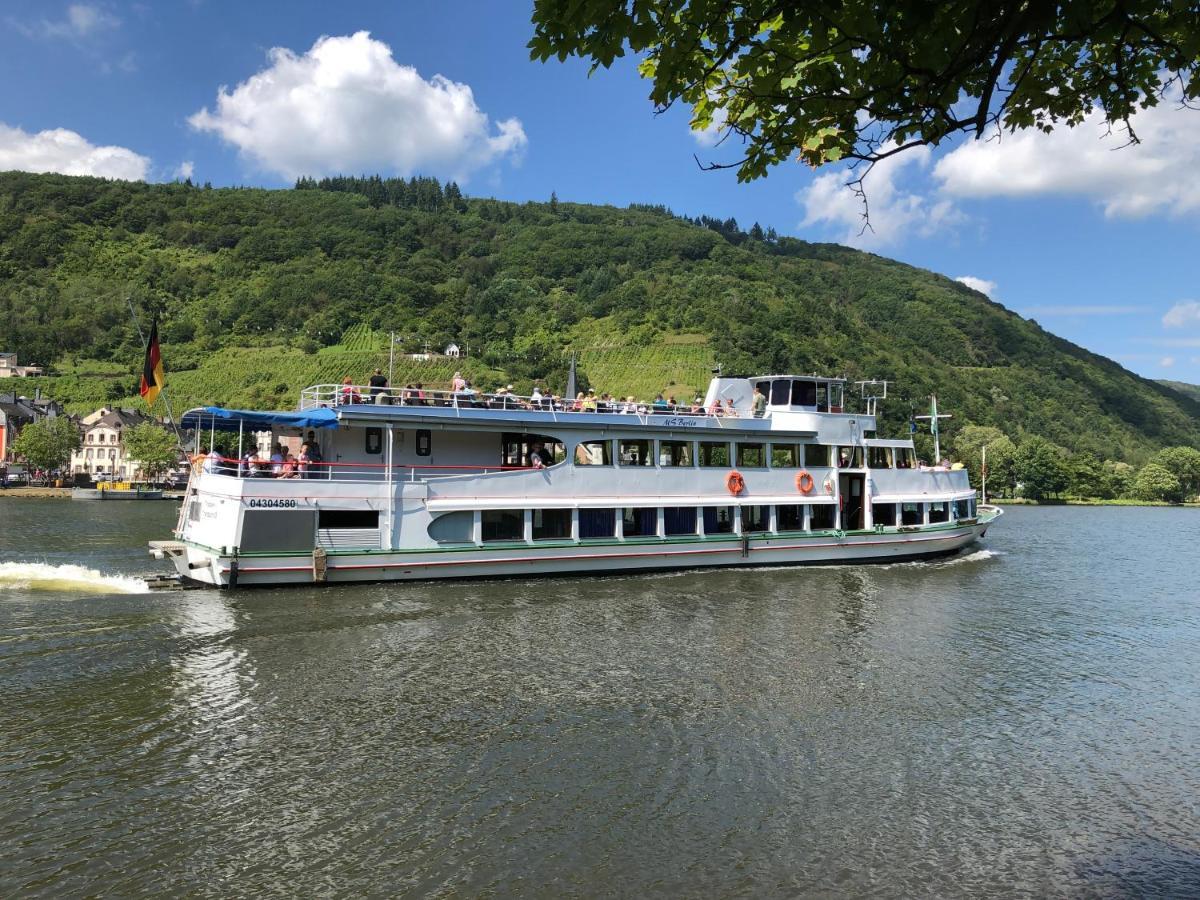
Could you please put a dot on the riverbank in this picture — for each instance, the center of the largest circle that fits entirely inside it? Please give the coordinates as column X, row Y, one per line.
column 1079, row 501
column 25, row 492
column 53, row 493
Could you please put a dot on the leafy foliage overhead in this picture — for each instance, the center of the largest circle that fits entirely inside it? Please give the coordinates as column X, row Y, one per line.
column 862, row 79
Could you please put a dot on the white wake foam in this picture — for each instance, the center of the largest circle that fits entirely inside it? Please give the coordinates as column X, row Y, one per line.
column 976, row 556
column 45, row 577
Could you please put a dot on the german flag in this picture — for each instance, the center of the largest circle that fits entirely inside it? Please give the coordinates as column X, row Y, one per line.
column 153, row 378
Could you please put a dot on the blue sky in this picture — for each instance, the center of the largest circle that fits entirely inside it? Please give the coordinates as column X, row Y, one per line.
column 1096, row 243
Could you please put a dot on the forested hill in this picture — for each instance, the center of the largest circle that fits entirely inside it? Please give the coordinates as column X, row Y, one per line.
column 261, row 292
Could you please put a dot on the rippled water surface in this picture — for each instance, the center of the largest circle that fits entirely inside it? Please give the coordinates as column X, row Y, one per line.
column 1022, row 720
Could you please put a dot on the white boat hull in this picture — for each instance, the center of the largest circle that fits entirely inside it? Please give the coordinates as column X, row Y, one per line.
column 208, row 568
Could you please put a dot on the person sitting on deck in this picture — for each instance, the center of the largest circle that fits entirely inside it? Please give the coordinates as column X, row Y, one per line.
column 715, row 408
column 349, row 393
column 697, row 407
column 288, row 469
column 589, row 402
column 729, row 410
column 539, row 456
column 659, row 405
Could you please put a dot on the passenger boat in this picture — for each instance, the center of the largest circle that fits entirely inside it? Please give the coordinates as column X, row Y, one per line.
column 426, row 485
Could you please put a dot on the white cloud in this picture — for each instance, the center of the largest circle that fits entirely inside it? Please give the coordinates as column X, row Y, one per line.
column 347, row 106
column 1096, row 309
column 1182, row 314
column 60, row 150
column 1168, row 342
column 1126, row 181
column 979, row 284
column 714, row 133
column 895, row 212
column 185, row 169
column 1167, row 361
column 82, row 20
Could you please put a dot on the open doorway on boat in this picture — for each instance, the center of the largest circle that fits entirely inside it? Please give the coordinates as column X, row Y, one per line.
column 852, row 501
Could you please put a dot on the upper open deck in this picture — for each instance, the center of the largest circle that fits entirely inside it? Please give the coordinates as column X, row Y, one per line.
column 799, row 404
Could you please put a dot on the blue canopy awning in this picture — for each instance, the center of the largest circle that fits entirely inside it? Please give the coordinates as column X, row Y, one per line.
column 215, row 417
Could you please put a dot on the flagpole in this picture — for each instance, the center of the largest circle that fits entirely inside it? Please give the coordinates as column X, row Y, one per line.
column 166, row 399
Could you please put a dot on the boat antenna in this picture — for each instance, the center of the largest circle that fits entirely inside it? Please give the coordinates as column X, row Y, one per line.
column 872, row 392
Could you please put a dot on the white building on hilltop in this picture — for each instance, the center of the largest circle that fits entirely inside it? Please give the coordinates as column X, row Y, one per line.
column 10, row 369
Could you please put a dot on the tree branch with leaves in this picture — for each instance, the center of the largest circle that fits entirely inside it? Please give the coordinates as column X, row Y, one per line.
column 861, row 80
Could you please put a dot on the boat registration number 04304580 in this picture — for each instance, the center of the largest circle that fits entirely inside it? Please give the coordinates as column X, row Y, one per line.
column 272, row 503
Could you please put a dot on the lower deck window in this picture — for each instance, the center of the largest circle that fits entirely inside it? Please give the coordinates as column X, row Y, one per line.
column 789, row 518
column 453, row 528
column 962, row 509
column 910, row 514
column 751, row 455
column 593, row 453
column 756, row 518
column 784, row 456
column 816, row 456
column 597, row 523
column 637, row 453
column 939, row 512
column 714, row 454
column 641, row 522
column 502, row 524
column 823, row 516
column 674, row 453
column 884, row 514
column 718, row 520
column 679, row 520
column 347, row 518
column 551, row 524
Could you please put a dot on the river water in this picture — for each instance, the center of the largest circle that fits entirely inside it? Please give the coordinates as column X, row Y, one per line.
column 1021, row 720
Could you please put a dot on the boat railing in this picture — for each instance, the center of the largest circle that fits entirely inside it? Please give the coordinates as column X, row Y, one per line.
column 336, row 395
column 290, row 470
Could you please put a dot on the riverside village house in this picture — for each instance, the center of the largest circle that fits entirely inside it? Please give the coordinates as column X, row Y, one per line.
column 16, row 412
column 101, row 452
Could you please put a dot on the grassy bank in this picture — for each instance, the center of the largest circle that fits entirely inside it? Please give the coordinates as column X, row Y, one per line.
column 1085, row 501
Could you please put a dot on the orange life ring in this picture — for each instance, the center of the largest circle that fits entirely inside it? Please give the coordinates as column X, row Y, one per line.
column 735, row 482
column 804, row 482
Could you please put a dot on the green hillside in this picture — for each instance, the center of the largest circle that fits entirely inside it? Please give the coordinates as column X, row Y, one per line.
column 260, row 293
column 1192, row 391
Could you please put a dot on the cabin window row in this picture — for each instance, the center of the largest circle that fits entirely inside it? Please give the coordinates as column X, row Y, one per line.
column 635, row 452
column 509, row 525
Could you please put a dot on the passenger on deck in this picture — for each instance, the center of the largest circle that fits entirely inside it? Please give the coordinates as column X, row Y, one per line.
column 659, row 405
column 288, row 469
column 697, row 408
column 379, row 385
column 349, row 394
column 212, row 462
column 729, row 411
column 589, row 402
column 539, row 456
column 277, row 453
column 760, row 403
